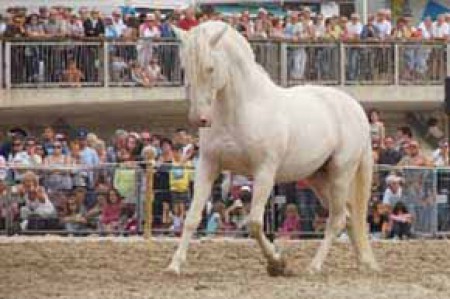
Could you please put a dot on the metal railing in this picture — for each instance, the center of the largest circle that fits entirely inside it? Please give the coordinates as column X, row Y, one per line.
column 79, row 202
column 156, row 63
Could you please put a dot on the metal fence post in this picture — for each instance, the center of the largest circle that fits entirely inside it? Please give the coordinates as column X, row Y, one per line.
column 149, row 195
column 342, row 61
column 396, row 64
column 283, row 64
column 105, row 64
column 2, row 65
column 448, row 60
column 7, row 65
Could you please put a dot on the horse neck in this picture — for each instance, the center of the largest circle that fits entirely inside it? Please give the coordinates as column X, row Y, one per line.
column 247, row 85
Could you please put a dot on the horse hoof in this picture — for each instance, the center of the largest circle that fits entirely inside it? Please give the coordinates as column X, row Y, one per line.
column 369, row 267
column 278, row 268
column 173, row 270
column 314, row 269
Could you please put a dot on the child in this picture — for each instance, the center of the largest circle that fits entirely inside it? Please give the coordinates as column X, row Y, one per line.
column 291, row 223
column 216, row 220
column 177, row 221
column 180, row 176
column 111, row 211
column 401, row 221
column 73, row 220
column 72, row 74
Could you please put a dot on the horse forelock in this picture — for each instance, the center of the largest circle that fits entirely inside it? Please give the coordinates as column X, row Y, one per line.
column 198, row 50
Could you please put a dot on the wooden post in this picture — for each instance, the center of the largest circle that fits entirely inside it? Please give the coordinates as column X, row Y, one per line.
column 149, row 194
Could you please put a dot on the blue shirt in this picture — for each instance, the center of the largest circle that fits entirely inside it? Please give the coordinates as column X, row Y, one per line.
column 89, row 157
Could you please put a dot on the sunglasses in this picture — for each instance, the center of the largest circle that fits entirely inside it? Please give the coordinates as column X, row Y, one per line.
column 17, row 144
column 31, row 144
column 57, row 146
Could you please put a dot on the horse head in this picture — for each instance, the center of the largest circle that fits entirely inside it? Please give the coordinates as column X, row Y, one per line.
column 204, row 66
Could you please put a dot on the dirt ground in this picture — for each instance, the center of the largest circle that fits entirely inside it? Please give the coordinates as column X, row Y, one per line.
column 132, row 268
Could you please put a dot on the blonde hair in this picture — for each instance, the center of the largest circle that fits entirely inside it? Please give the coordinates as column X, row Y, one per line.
column 292, row 208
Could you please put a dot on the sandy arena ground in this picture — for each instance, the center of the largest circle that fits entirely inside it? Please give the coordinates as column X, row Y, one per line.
column 132, row 268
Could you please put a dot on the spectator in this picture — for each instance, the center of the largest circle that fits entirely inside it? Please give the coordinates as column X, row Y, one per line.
column 54, row 26
column 320, row 219
column 36, row 200
column 180, row 176
column 110, row 217
column 154, row 71
column 404, row 137
column 3, row 25
column 93, row 26
column 377, row 130
column 74, row 220
column 441, row 29
column 378, row 220
column 353, row 31
column 88, row 156
column 401, row 221
column 110, row 29
column 162, row 179
column 15, row 27
column 73, row 74
column 383, row 24
column 441, row 154
column 166, row 27
column 434, row 131
column 150, row 28
column 139, row 76
column 189, row 21
column 216, row 220
column 48, row 139
column 370, row 31
column 414, row 157
column 33, row 28
column 118, row 23
column 394, row 192
column 389, row 154
column 59, row 176
column 237, row 216
column 291, row 222
column 75, row 27
column 93, row 214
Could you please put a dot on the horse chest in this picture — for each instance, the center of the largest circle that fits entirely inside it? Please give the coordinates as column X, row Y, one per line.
column 228, row 152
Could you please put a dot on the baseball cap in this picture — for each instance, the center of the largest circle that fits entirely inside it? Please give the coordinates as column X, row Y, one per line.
column 82, row 133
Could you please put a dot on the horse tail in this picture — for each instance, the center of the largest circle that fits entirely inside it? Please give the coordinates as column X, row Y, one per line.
column 358, row 207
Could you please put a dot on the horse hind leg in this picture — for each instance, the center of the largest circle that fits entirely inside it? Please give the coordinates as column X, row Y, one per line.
column 332, row 190
column 357, row 206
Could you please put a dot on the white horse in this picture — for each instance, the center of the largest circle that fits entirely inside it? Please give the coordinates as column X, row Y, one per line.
column 274, row 134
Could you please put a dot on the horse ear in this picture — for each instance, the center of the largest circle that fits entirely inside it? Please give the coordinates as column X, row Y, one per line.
column 180, row 34
column 217, row 36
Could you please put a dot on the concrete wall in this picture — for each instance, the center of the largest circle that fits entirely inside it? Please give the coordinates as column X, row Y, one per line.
column 163, row 109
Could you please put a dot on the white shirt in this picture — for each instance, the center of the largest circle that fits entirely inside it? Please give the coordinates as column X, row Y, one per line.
column 440, row 31
column 150, row 31
column 354, row 29
column 119, row 27
column 391, row 198
column 438, row 158
column 385, row 28
column 426, row 33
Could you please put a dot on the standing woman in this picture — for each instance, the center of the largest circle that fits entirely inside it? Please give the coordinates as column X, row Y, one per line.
column 59, row 176
column 377, row 130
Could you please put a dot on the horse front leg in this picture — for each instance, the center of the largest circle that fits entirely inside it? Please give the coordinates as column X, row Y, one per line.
column 206, row 173
column 262, row 187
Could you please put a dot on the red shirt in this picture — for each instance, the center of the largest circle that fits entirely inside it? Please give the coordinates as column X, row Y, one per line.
column 187, row 24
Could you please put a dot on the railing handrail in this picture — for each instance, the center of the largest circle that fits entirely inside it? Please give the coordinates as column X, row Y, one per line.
column 390, row 60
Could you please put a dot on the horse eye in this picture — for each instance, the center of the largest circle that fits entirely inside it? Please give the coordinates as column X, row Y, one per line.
column 209, row 70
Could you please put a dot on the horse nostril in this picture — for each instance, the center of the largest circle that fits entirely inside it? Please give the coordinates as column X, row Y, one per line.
column 203, row 122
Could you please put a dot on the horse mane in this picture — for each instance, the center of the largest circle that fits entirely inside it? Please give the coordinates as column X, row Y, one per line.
column 234, row 43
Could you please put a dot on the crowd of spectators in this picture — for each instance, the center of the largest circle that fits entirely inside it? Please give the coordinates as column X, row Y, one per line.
column 77, row 182
column 298, row 25
column 145, row 65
